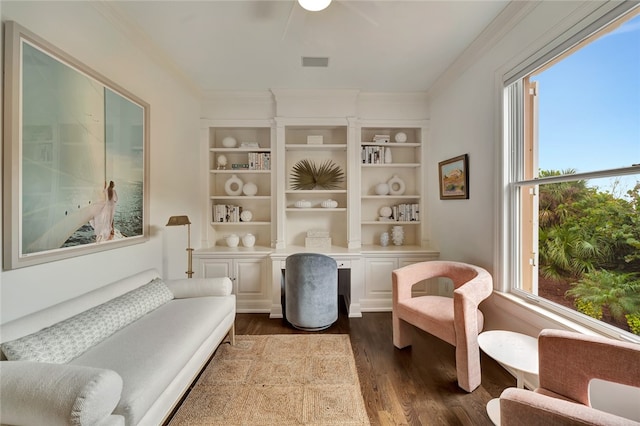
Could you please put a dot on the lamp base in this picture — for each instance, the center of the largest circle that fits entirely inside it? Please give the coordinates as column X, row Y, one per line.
column 190, row 262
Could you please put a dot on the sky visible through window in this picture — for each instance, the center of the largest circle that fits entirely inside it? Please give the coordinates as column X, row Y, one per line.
column 589, row 107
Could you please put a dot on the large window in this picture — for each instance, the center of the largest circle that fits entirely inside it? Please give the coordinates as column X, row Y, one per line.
column 573, row 133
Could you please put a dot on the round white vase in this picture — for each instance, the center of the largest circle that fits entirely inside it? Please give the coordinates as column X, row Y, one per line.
column 382, row 188
column 233, row 186
column 250, row 189
column 396, row 185
column 385, row 211
column 229, row 142
column 400, row 137
column 233, row 240
column 248, row 240
column 246, row 216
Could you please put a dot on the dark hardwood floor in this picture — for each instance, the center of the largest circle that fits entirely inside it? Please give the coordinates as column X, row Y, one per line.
column 412, row 386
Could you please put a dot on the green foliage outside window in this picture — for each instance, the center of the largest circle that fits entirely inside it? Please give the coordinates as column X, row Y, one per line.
column 591, row 239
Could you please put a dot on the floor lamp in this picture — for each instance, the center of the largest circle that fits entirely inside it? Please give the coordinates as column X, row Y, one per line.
column 184, row 220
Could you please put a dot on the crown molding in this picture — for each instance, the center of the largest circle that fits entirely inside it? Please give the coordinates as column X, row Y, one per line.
column 502, row 24
column 123, row 23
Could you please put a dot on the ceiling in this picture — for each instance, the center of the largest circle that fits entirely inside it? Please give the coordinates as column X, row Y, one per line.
column 373, row 46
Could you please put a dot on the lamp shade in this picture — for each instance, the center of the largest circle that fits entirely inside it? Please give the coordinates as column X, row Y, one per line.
column 314, row 5
column 178, row 220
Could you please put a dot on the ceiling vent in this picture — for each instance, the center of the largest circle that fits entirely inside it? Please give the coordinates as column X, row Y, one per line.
column 309, row 61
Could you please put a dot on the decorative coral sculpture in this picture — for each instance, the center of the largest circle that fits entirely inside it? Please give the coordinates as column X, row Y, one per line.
column 307, row 175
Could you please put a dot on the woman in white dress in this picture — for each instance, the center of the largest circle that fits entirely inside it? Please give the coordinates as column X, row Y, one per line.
column 102, row 223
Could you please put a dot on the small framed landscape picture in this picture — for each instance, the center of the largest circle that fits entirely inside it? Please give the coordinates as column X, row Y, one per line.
column 454, row 178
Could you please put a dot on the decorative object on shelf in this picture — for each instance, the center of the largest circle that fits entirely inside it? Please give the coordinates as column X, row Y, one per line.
column 307, row 175
column 248, row 240
column 382, row 188
column 381, row 138
column 222, row 162
column 249, row 145
column 329, row 204
column 250, row 189
column 317, row 239
column 246, row 216
column 397, row 235
column 229, row 142
column 233, row 186
column 388, row 158
column 302, row 204
column 384, row 239
column 396, row 185
column 400, row 137
column 179, row 221
column 385, row 212
column 232, row 240
column 454, row 178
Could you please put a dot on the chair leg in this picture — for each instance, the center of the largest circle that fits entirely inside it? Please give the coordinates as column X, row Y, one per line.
column 401, row 333
column 468, row 368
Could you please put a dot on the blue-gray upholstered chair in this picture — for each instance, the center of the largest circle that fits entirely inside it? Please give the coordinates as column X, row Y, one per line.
column 311, row 291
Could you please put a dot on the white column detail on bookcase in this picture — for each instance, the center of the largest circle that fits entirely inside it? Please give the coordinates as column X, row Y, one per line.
column 353, row 183
column 281, row 178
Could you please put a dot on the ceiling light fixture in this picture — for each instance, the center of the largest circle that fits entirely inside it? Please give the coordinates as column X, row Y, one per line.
column 314, row 5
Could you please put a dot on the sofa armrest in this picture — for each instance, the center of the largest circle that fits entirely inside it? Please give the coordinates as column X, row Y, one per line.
column 521, row 406
column 57, row 394
column 199, row 287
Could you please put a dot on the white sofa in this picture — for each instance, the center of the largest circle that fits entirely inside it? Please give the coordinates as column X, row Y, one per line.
column 123, row 354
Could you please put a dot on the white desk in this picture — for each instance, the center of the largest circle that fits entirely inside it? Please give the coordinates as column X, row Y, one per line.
column 514, row 350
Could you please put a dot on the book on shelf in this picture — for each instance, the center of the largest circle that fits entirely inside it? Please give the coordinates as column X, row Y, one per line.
column 406, row 212
column 259, row 160
column 372, row 155
column 223, row 213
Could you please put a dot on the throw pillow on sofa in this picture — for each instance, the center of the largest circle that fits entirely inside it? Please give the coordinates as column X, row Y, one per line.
column 66, row 340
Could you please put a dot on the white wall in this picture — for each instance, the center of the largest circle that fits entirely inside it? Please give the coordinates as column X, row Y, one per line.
column 83, row 31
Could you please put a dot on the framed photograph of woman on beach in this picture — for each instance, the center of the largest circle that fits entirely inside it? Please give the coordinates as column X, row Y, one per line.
column 454, row 178
column 75, row 157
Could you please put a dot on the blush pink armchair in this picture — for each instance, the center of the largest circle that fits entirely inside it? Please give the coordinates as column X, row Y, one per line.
column 455, row 320
column 568, row 361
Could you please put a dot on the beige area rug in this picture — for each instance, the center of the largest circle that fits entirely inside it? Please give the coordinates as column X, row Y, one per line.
column 308, row 379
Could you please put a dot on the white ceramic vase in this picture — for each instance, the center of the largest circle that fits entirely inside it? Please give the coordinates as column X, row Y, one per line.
column 396, row 185
column 248, row 240
column 246, row 216
column 382, row 188
column 250, row 189
column 385, row 211
column 384, row 239
column 229, row 142
column 401, row 137
column 233, row 240
column 329, row 204
column 233, row 186
column 388, row 158
column 397, row 235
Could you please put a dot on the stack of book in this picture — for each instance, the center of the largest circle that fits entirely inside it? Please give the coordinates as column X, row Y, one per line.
column 372, row 154
column 259, row 161
column 226, row 213
column 406, row 212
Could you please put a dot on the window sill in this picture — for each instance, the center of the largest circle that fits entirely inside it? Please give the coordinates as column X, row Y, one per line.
column 541, row 317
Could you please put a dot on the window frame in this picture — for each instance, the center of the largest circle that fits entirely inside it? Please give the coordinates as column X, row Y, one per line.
column 512, row 107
